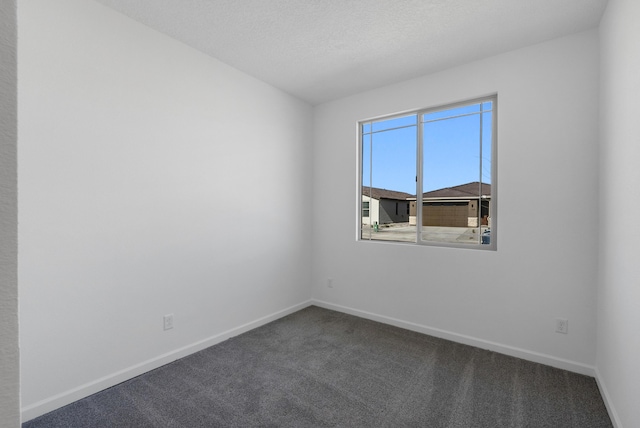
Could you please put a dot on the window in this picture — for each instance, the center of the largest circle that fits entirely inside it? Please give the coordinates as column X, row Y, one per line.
column 365, row 209
column 441, row 163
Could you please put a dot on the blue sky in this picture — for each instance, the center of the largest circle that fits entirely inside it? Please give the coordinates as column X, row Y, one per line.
column 451, row 150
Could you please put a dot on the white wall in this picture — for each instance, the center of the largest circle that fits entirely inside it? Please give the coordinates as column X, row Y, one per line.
column 374, row 211
column 545, row 265
column 139, row 164
column 9, row 351
column 619, row 290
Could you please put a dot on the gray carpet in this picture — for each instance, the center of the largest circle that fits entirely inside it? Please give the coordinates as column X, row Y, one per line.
column 320, row 368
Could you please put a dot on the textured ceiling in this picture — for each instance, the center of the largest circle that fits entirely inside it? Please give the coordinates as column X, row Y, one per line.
column 320, row 50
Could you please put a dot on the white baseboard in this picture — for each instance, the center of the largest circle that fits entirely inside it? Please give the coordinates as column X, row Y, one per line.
column 615, row 419
column 44, row 406
column 82, row 391
column 536, row 357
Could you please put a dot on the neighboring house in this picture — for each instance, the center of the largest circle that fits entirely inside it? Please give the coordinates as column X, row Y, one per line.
column 454, row 206
column 384, row 206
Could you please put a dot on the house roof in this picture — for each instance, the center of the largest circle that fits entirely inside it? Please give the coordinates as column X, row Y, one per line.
column 463, row 191
column 377, row 193
column 468, row 190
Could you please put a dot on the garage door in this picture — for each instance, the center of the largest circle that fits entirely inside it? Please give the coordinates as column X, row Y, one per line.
column 445, row 214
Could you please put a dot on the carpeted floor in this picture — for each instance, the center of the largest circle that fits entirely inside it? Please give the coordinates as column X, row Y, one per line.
column 320, row 368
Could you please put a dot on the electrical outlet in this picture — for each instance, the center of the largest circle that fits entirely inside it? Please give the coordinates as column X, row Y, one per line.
column 168, row 322
column 562, row 325
column 330, row 282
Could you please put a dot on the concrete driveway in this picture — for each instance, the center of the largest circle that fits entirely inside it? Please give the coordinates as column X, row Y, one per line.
column 402, row 232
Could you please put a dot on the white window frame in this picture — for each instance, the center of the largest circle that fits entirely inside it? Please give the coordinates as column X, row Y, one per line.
column 492, row 246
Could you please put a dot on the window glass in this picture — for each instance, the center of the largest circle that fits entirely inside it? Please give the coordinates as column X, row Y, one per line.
column 365, row 209
column 455, row 146
column 398, row 122
column 388, row 179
